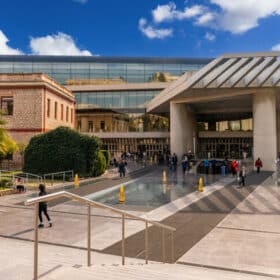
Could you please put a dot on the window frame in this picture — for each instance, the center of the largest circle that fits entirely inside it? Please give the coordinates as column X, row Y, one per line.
column 48, row 107
column 7, row 112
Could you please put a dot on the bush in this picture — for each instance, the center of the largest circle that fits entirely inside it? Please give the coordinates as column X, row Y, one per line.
column 4, row 183
column 99, row 165
column 60, row 150
column 107, row 156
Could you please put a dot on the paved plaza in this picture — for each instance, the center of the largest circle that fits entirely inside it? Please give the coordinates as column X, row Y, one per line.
column 222, row 233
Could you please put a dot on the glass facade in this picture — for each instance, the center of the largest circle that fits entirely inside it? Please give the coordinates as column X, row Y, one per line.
column 131, row 70
column 120, row 122
column 149, row 147
column 115, row 99
column 233, row 147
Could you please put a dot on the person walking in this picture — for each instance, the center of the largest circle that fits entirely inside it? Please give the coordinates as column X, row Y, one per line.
column 184, row 164
column 174, row 162
column 242, row 175
column 234, row 167
column 43, row 208
column 122, row 165
column 206, row 166
column 258, row 165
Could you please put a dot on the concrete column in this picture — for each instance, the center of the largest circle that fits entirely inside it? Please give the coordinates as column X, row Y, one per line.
column 265, row 128
column 84, row 124
column 278, row 122
column 182, row 128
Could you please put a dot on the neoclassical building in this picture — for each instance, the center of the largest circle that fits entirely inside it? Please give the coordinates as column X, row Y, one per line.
column 228, row 108
column 33, row 104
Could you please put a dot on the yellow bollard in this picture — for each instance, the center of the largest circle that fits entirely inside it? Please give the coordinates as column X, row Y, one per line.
column 76, row 181
column 200, row 184
column 122, row 194
column 164, row 177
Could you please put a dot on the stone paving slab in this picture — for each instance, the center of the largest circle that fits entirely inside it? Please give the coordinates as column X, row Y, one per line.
column 70, row 228
column 247, row 239
column 239, row 250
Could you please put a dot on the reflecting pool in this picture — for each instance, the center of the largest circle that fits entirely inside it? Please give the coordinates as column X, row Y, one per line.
column 150, row 191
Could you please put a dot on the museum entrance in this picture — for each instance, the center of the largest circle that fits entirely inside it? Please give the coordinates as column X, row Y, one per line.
column 146, row 146
column 232, row 147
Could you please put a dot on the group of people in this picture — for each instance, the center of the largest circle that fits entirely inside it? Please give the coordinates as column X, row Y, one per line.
column 241, row 172
column 121, row 166
column 172, row 161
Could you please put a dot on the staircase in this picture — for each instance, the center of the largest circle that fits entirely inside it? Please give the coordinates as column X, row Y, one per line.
column 140, row 271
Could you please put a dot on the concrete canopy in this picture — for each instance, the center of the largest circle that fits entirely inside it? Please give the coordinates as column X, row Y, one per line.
column 232, row 87
column 227, row 76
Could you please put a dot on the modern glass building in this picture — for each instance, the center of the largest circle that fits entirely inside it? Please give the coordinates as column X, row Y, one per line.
column 128, row 69
column 111, row 94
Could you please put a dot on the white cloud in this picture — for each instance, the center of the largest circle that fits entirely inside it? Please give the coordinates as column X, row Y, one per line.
column 276, row 47
column 206, row 19
column 153, row 33
column 57, row 44
column 4, row 48
column 239, row 16
column 210, row 37
column 169, row 12
column 234, row 16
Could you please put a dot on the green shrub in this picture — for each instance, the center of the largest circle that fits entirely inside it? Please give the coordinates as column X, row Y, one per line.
column 99, row 165
column 107, row 156
column 4, row 183
column 59, row 150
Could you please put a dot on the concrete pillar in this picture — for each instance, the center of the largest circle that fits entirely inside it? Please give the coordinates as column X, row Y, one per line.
column 265, row 128
column 84, row 124
column 182, row 128
column 278, row 122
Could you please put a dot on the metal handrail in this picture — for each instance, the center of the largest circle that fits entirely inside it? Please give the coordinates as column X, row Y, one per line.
column 53, row 174
column 89, row 203
column 32, row 175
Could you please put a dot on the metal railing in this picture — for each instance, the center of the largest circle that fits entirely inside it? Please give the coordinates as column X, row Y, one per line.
column 61, row 174
column 89, row 203
column 27, row 178
column 30, row 176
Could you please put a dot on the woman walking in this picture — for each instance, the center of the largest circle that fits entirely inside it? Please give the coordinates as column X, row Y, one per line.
column 43, row 207
column 258, row 165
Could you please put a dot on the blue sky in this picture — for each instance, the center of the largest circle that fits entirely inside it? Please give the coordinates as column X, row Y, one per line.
column 204, row 28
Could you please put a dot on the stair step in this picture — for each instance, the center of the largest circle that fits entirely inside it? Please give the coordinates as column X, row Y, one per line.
column 146, row 272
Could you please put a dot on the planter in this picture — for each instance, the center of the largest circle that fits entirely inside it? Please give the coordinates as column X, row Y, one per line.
column 7, row 192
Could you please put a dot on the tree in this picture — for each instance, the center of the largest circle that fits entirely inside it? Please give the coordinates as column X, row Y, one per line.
column 7, row 144
column 21, row 148
column 59, row 150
